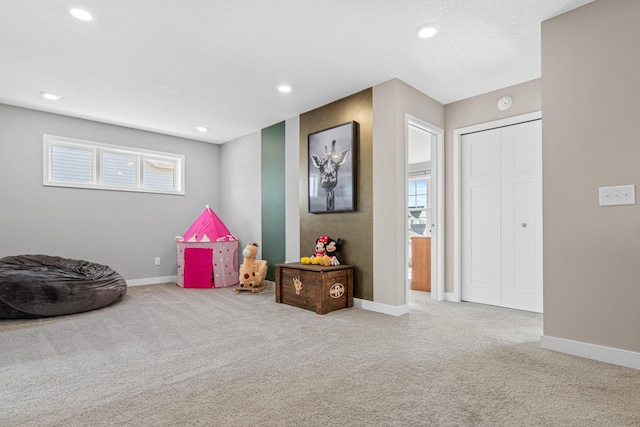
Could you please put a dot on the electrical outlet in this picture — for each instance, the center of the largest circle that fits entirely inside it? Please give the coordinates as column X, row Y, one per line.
column 617, row 195
column 156, row 260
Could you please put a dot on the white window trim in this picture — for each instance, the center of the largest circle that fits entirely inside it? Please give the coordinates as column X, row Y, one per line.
column 48, row 141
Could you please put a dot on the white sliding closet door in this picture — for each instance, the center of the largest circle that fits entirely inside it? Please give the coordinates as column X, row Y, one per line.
column 502, row 217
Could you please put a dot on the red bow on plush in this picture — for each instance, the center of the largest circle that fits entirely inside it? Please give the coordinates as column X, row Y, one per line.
column 323, row 239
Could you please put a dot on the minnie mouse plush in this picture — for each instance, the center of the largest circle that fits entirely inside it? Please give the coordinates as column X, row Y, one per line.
column 321, row 243
column 325, row 252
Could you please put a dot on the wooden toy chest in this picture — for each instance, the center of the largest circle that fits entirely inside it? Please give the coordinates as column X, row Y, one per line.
column 318, row 288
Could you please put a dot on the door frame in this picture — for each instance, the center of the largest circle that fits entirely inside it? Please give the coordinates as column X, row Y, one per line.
column 457, row 190
column 437, row 211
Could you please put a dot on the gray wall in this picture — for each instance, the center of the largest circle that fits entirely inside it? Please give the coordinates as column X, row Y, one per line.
column 590, row 93
column 241, row 195
column 124, row 230
column 392, row 100
column 241, row 198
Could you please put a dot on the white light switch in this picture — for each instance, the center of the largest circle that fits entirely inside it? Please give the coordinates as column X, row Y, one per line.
column 618, row 195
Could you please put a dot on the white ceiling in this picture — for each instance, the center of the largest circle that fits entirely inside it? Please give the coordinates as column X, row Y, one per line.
column 169, row 65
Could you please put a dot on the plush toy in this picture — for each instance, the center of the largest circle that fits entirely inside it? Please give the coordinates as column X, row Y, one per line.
column 325, row 252
column 252, row 271
column 332, row 248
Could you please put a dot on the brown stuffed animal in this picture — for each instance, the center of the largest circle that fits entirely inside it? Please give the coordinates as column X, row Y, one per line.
column 252, row 271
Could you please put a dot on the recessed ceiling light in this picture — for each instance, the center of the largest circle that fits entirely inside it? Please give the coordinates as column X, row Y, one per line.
column 50, row 96
column 202, row 128
column 285, row 88
column 81, row 13
column 427, row 30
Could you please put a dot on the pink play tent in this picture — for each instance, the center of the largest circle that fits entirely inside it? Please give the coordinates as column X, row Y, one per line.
column 207, row 254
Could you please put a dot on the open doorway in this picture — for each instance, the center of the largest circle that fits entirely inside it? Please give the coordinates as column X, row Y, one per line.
column 425, row 209
column 419, row 208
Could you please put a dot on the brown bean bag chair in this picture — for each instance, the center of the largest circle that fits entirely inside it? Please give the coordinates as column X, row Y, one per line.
column 43, row 286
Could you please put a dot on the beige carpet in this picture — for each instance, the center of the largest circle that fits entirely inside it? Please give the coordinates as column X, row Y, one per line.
column 167, row 356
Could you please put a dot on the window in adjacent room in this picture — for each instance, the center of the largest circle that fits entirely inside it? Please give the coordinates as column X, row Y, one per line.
column 70, row 162
column 419, row 206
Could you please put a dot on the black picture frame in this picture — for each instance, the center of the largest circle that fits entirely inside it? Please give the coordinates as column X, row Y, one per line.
column 331, row 161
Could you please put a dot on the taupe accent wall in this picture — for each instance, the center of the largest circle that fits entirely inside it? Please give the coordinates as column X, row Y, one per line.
column 355, row 228
column 591, row 106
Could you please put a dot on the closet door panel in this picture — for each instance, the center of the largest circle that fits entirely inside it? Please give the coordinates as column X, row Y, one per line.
column 481, row 268
column 521, row 250
column 502, row 217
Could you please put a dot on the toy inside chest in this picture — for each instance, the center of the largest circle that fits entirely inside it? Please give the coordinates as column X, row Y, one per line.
column 318, row 288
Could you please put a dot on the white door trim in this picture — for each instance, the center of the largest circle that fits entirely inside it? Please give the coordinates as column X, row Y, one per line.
column 437, row 214
column 457, row 191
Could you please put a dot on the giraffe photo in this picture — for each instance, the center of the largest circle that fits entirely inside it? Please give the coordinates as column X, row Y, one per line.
column 331, row 167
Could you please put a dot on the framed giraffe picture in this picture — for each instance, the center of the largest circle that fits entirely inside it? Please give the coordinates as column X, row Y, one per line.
column 332, row 169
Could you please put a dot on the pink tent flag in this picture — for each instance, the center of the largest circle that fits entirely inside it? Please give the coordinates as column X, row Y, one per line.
column 207, row 254
column 208, row 228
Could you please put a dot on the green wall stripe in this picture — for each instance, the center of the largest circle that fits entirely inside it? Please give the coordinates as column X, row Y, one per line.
column 273, row 196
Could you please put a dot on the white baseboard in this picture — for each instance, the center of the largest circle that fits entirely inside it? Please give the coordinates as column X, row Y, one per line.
column 394, row 310
column 615, row 356
column 166, row 279
column 152, row 280
column 450, row 296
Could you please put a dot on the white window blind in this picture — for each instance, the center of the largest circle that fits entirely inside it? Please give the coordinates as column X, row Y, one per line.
column 158, row 173
column 70, row 162
column 119, row 170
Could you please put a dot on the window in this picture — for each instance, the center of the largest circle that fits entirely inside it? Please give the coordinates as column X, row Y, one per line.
column 418, row 194
column 419, row 206
column 76, row 163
